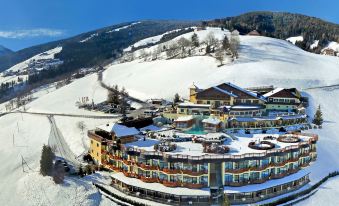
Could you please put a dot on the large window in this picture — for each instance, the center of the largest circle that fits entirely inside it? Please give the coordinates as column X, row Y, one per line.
column 228, row 178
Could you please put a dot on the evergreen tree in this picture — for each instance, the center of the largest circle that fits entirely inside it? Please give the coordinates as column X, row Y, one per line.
column 318, row 117
column 195, row 40
column 46, row 161
column 225, row 43
column 176, row 98
column 208, row 49
column 81, row 172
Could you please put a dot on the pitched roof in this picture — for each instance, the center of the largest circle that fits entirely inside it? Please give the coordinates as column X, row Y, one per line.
column 225, row 92
column 212, row 120
column 184, row 118
column 240, row 92
column 119, row 130
column 281, row 92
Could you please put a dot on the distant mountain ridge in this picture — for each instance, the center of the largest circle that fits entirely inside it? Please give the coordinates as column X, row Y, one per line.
column 4, row 50
column 103, row 45
column 283, row 25
column 95, row 47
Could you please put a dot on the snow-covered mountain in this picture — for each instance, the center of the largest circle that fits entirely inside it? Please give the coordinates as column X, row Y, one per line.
column 262, row 61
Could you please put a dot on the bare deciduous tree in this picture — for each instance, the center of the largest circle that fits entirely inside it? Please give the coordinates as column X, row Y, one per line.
column 234, row 44
column 220, row 56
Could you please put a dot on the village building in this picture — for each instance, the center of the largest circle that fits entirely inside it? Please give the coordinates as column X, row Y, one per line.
column 328, row 51
column 205, row 171
column 184, row 122
column 282, row 100
column 253, row 33
column 109, row 133
column 212, row 124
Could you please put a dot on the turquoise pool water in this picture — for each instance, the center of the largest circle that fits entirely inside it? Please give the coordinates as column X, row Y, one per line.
column 196, row 130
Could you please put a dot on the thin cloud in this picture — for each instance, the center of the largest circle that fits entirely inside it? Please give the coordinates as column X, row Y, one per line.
column 28, row 33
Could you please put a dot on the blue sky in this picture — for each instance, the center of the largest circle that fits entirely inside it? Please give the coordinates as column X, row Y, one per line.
column 26, row 23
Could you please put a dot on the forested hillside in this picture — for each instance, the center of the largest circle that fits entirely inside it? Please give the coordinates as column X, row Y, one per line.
column 92, row 48
column 282, row 25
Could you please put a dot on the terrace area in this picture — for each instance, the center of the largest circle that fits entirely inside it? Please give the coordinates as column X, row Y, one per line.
column 238, row 144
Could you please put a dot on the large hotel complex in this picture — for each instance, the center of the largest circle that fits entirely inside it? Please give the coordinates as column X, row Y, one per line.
column 226, row 144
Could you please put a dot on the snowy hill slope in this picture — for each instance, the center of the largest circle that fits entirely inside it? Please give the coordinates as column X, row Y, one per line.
column 270, row 61
column 262, row 61
column 45, row 55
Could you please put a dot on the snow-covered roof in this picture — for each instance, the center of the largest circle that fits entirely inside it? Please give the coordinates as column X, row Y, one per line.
column 184, row 118
column 190, row 104
column 245, row 91
column 267, row 118
column 119, row 130
column 212, row 120
column 225, row 92
column 150, row 128
column 268, row 94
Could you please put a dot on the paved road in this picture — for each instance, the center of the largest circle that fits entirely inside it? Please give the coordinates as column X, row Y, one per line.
column 329, row 87
column 66, row 115
column 57, row 141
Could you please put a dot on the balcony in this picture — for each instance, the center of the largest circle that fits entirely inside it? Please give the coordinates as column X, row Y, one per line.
column 171, row 184
column 149, row 179
column 148, row 167
column 239, row 170
column 171, row 171
column 198, row 173
column 129, row 174
column 193, row 185
column 127, row 162
column 277, row 176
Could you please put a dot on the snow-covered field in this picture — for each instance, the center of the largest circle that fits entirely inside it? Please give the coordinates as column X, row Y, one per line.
column 262, row 61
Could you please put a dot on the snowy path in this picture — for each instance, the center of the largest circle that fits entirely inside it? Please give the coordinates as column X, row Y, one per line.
column 57, row 141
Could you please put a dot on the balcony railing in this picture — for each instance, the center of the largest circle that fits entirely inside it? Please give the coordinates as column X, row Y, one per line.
column 129, row 174
column 148, row 167
column 194, row 173
column 171, row 171
column 149, row 179
column 171, row 184
column 193, row 185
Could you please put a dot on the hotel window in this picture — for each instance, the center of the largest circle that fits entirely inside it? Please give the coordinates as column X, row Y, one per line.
column 204, row 180
column 228, row 165
column 91, row 141
column 208, row 102
column 97, row 144
column 228, row 178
